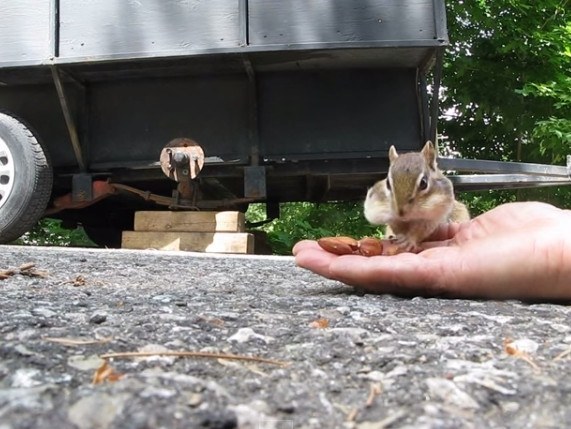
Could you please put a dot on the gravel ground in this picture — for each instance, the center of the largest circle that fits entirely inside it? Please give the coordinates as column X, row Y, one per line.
column 353, row 360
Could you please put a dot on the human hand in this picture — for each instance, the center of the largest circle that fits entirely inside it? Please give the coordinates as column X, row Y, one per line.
column 517, row 250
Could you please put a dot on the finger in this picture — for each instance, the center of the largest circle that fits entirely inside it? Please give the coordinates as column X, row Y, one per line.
column 445, row 231
column 432, row 244
column 444, row 236
column 304, row 244
column 315, row 259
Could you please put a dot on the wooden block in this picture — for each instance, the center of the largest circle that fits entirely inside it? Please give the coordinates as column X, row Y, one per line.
column 218, row 242
column 190, row 221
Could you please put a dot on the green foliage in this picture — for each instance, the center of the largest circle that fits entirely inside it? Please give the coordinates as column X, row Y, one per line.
column 49, row 232
column 554, row 131
column 300, row 221
column 507, row 87
column 479, row 202
column 507, row 79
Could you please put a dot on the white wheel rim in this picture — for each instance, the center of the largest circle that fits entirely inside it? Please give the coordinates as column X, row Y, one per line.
column 6, row 172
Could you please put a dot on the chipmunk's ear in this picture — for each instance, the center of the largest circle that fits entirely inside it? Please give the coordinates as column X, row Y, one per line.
column 393, row 154
column 429, row 154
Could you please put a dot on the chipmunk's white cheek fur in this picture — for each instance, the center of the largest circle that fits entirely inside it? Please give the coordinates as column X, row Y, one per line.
column 376, row 210
column 436, row 208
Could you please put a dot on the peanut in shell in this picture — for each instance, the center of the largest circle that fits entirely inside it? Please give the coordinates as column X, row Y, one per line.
column 338, row 245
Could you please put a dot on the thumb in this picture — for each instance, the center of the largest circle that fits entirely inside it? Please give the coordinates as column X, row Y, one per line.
column 445, row 231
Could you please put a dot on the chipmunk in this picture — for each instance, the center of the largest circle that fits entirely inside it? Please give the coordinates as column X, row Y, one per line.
column 414, row 199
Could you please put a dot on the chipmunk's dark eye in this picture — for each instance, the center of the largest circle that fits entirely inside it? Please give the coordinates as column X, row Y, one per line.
column 388, row 184
column 423, row 183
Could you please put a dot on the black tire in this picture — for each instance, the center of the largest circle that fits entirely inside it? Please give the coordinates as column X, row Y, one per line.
column 25, row 179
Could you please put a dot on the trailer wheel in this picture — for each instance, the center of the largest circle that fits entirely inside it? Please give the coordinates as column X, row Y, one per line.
column 25, row 179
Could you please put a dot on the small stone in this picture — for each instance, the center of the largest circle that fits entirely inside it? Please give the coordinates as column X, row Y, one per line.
column 85, row 363
column 157, row 392
column 510, row 407
column 397, row 371
column 26, row 377
column 356, row 335
column 250, row 416
column 523, row 345
column 560, row 327
column 98, row 317
column 247, row 334
column 375, row 376
column 356, row 315
column 157, row 349
column 194, row 399
column 76, row 318
column 43, row 312
column 24, row 351
column 165, row 299
column 217, row 420
column 344, row 310
column 96, row 411
column 103, row 333
column 450, row 393
column 288, row 408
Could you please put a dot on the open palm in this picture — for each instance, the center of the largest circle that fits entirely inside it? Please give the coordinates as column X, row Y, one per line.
column 517, row 250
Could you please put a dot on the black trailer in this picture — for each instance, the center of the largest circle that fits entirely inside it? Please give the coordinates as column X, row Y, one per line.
column 236, row 100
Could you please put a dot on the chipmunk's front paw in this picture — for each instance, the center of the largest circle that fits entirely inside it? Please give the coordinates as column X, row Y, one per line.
column 405, row 244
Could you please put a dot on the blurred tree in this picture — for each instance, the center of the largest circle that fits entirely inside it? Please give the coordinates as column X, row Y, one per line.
column 507, row 87
column 507, row 79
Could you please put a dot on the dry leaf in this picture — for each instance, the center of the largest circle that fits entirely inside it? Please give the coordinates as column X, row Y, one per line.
column 27, row 269
column 352, row 415
column 523, row 345
column 374, row 391
column 27, row 266
column 320, row 323
column 191, row 354
column 5, row 274
column 215, row 321
column 32, row 272
column 563, row 354
column 106, row 373
column 77, row 281
column 517, row 349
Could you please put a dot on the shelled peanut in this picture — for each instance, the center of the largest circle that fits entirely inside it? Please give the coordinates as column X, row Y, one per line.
column 367, row 246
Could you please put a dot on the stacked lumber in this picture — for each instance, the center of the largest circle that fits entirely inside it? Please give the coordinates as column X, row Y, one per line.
column 211, row 232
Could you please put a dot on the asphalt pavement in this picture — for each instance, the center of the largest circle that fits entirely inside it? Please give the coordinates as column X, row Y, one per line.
column 147, row 339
